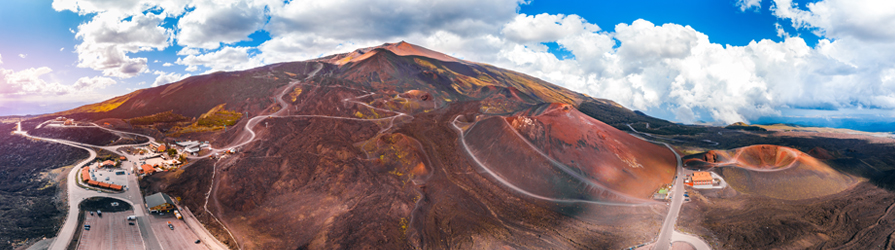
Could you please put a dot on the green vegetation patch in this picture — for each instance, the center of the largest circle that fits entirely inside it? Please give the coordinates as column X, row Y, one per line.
column 215, row 119
column 163, row 117
column 745, row 127
column 218, row 116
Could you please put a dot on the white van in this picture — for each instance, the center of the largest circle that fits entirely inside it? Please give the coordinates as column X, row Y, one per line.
column 132, row 217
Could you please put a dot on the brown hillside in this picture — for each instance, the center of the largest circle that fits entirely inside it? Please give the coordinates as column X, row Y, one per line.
column 774, row 171
column 364, row 153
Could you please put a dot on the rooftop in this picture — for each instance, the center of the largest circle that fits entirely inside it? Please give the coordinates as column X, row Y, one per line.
column 158, row 199
column 702, row 176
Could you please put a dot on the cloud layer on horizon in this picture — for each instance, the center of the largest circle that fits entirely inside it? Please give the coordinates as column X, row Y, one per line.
column 669, row 70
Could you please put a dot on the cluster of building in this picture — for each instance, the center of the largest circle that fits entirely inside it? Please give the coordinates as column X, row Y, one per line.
column 87, row 176
column 157, row 160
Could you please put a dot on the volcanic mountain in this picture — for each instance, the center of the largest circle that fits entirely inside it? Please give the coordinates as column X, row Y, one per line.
column 774, row 171
column 398, row 146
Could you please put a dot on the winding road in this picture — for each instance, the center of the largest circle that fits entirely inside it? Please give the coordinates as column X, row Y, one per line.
column 667, row 235
column 131, row 195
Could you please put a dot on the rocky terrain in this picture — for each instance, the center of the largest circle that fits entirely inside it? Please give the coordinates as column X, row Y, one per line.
column 397, row 147
column 31, row 173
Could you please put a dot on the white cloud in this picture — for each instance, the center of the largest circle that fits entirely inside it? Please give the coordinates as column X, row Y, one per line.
column 861, row 19
column 31, row 82
column 749, row 4
column 780, row 32
column 61, row 49
column 545, row 27
column 670, row 70
column 225, row 59
column 91, row 83
column 188, row 51
column 348, row 20
column 28, row 81
column 125, row 7
column 167, row 64
column 215, row 22
column 23, row 55
column 1, row 59
column 107, row 39
column 165, row 78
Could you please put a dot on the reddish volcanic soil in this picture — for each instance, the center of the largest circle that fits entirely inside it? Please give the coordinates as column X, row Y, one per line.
column 554, row 151
column 366, row 155
column 400, row 48
column 774, row 171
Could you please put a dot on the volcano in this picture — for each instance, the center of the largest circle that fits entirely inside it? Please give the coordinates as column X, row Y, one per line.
column 774, row 171
column 398, row 146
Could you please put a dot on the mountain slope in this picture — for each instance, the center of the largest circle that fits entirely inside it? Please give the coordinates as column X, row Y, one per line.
column 382, row 148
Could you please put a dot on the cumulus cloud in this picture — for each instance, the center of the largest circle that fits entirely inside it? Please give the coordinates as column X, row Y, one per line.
column 670, row 70
column 167, row 64
column 126, row 7
column 369, row 19
column 31, row 82
column 165, row 78
column 860, row 19
column 119, row 28
column 749, row 4
column 91, row 83
column 225, row 59
column 108, row 38
column 23, row 55
column 545, row 27
column 215, row 22
column 28, row 81
column 1, row 59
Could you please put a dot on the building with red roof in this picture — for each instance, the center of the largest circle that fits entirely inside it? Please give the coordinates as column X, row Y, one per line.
column 146, row 169
column 85, row 174
column 108, row 163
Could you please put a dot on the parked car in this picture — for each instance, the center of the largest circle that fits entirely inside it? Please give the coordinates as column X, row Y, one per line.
column 87, row 227
column 170, row 226
column 130, row 223
column 197, row 241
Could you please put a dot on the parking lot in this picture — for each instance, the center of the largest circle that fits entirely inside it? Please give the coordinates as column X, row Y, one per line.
column 179, row 238
column 110, row 231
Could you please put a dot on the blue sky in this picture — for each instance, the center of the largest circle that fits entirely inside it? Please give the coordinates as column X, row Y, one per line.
column 688, row 61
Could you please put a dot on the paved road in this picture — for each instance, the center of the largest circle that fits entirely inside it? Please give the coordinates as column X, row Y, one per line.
column 76, row 194
column 677, row 198
column 667, row 235
column 132, row 195
column 697, row 242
